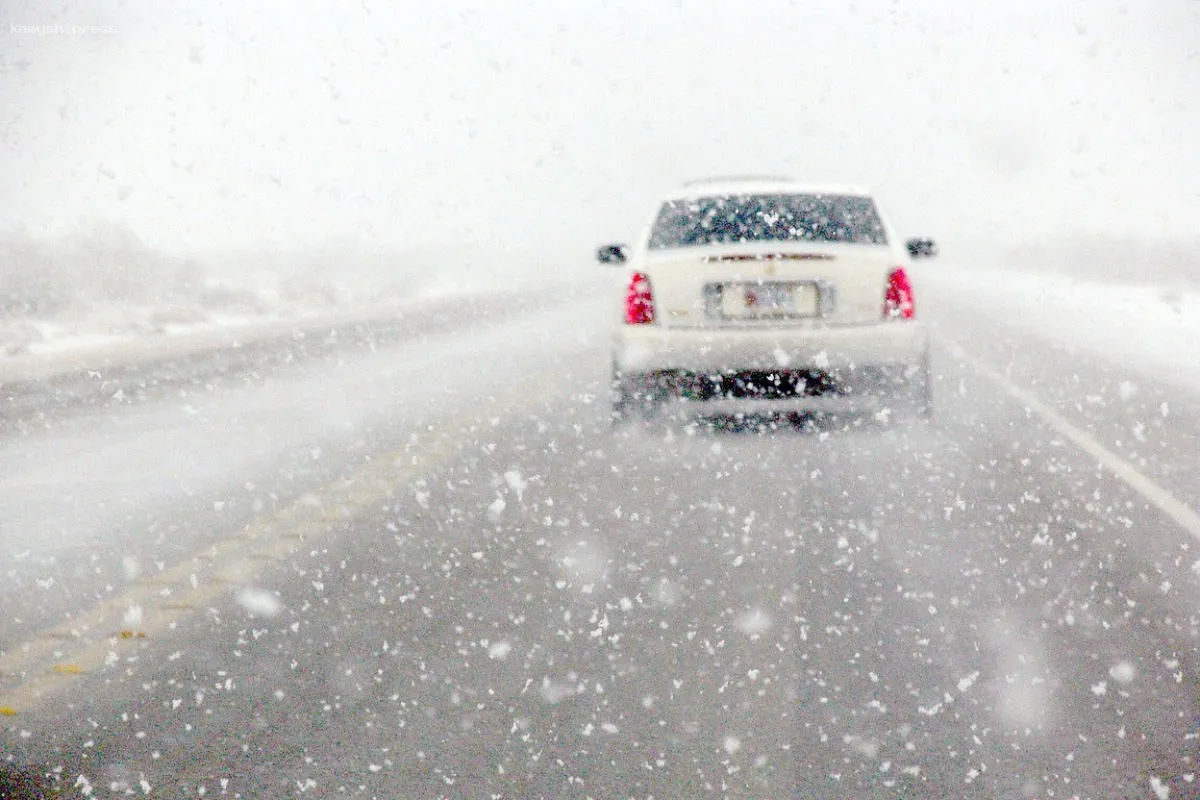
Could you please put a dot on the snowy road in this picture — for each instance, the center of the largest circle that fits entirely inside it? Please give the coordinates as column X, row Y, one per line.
column 421, row 565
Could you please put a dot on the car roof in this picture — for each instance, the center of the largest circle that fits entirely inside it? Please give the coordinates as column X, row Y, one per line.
column 759, row 185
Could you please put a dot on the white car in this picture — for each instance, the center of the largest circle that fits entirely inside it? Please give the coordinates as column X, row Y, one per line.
column 766, row 296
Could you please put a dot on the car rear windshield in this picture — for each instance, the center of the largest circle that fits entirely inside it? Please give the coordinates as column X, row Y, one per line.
column 731, row 219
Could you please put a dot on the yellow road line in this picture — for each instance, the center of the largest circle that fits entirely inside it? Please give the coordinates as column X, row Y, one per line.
column 53, row 658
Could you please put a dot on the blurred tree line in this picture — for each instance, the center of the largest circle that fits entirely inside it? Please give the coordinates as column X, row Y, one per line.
column 106, row 264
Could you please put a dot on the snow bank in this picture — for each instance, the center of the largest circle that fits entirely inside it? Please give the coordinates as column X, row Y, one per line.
column 130, row 335
column 1153, row 326
column 103, row 299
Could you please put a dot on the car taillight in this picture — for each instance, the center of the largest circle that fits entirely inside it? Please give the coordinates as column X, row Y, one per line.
column 639, row 300
column 898, row 300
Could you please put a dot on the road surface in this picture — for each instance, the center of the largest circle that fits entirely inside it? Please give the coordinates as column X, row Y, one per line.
column 412, row 560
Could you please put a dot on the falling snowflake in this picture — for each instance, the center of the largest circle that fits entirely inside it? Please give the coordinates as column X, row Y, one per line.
column 259, row 602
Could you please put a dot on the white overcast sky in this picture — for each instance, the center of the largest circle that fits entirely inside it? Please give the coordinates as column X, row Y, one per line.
column 204, row 124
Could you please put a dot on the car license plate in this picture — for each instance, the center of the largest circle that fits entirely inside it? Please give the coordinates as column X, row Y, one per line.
column 768, row 299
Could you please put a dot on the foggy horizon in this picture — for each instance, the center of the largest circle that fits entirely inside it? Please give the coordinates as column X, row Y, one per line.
column 208, row 128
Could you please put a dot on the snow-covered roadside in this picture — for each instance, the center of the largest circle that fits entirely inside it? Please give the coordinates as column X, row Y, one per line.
column 1155, row 327
column 128, row 335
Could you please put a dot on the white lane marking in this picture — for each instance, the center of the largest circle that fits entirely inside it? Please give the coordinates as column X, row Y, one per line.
column 1154, row 494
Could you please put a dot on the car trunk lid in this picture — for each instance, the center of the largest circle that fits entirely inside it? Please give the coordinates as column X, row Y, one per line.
column 769, row 284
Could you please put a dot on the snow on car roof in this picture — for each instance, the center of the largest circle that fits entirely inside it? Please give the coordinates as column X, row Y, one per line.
column 758, row 185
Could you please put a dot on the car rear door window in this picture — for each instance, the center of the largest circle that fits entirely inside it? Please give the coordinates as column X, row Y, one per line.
column 731, row 219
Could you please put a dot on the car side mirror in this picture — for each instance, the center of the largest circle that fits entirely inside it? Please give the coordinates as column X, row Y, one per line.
column 921, row 248
column 612, row 254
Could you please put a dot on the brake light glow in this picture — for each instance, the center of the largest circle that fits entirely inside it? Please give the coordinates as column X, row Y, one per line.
column 639, row 300
column 898, row 299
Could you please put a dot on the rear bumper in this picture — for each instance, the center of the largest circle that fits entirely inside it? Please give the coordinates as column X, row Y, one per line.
column 643, row 349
